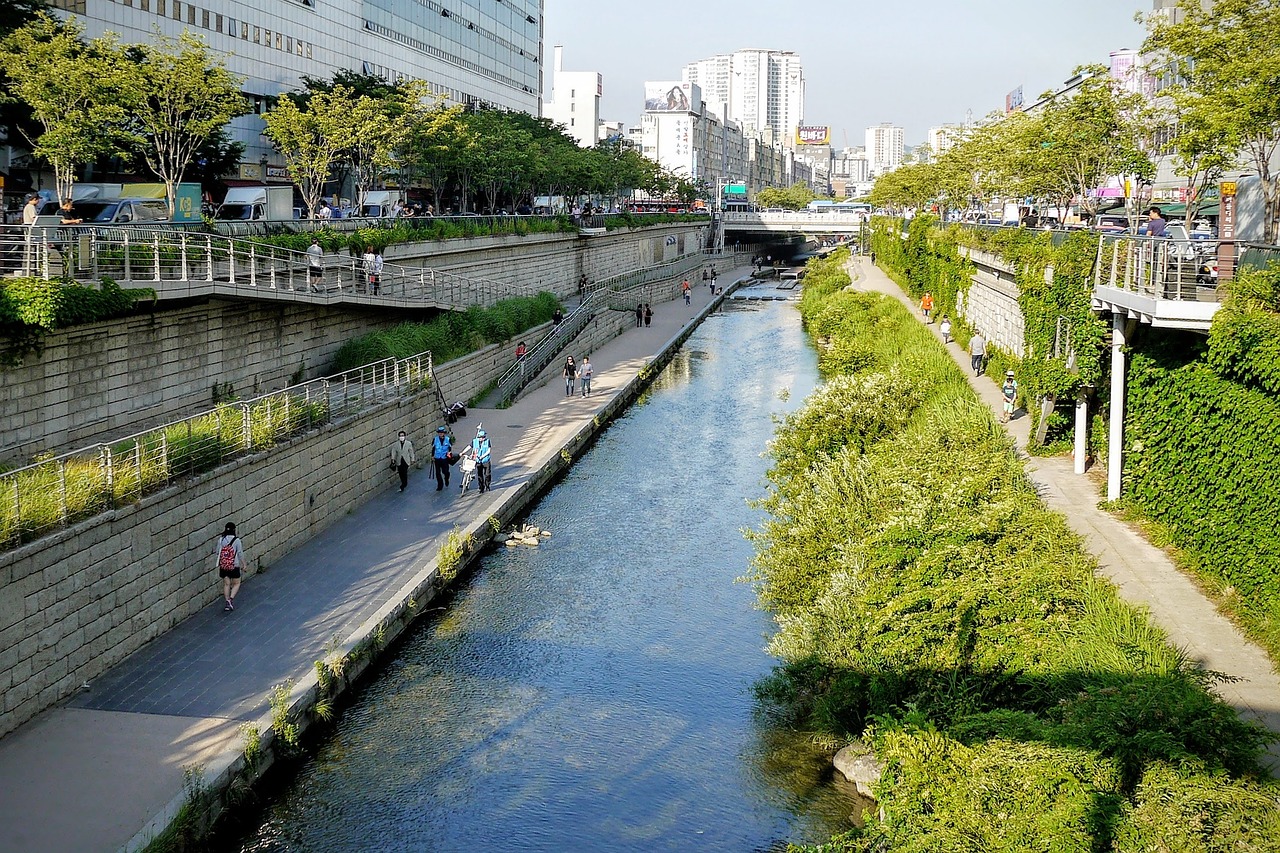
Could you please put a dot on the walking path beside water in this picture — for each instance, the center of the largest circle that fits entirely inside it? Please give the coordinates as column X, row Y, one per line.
column 1143, row 573
column 91, row 773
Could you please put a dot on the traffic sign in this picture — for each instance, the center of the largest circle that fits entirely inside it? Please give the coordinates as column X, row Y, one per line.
column 1227, row 188
column 735, row 189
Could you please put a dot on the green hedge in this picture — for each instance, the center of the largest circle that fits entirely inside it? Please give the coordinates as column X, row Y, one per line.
column 423, row 229
column 32, row 307
column 451, row 335
column 928, row 601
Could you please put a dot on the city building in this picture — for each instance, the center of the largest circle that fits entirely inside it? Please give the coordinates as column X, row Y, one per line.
column 575, row 100
column 885, row 147
column 756, row 88
column 469, row 53
column 942, row 138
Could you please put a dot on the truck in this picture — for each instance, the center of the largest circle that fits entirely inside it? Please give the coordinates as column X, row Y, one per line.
column 380, row 202
column 254, row 204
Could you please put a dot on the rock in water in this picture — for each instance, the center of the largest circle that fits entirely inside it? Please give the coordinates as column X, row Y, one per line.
column 857, row 763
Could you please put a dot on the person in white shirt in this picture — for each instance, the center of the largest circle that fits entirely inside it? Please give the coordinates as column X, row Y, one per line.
column 315, row 263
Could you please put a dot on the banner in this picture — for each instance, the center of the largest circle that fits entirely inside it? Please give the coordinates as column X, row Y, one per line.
column 813, row 136
column 668, row 97
column 1013, row 100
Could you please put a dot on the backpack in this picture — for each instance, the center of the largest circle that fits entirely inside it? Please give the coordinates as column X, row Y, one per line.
column 227, row 556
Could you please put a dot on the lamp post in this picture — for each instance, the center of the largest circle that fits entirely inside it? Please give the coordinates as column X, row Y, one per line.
column 262, row 162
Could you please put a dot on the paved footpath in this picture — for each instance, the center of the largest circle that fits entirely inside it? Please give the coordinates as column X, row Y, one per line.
column 89, row 774
column 1144, row 574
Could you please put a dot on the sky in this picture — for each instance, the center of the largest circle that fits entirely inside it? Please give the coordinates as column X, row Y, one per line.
column 918, row 63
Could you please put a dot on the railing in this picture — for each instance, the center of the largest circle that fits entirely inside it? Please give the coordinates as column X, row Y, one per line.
column 797, row 219
column 1156, row 267
column 154, row 256
column 610, row 293
column 65, row 489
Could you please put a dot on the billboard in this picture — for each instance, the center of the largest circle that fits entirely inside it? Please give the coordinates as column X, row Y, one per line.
column 672, row 97
column 1013, row 100
column 813, row 135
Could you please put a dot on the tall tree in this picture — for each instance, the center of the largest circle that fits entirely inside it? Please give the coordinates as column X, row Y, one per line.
column 1227, row 61
column 80, row 93
column 187, row 96
column 16, row 121
column 312, row 139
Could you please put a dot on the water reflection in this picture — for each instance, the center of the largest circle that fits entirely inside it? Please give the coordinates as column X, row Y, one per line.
column 595, row 693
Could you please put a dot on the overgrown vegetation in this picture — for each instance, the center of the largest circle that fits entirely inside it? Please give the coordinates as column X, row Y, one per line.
column 927, row 601
column 32, row 307
column 1203, row 438
column 1059, row 322
column 451, row 335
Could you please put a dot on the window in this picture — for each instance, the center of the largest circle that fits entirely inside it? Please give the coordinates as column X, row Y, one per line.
column 177, row 10
column 244, row 30
column 217, row 23
column 204, row 18
column 308, row 50
column 279, row 42
column 288, row 45
column 299, row 44
column 191, row 14
column 257, row 34
column 144, row 5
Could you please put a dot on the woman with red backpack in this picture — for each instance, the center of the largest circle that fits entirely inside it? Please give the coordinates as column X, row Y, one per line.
column 229, row 555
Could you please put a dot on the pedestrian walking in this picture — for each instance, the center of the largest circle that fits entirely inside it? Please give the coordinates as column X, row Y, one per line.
column 582, row 287
column 945, row 328
column 1009, row 395
column 402, row 456
column 441, row 448
column 977, row 352
column 228, row 556
column 584, row 373
column 557, row 316
column 570, row 375
column 926, row 305
column 521, row 351
column 648, row 314
column 366, row 266
column 873, row 258
column 315, row 264
column 706, row 276
column 639, row 314
column 482, row 451
column 684, row 287
column 376, row 280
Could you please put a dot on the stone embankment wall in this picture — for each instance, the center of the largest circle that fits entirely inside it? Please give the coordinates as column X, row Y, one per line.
column 106, row 380
column 109, row 379
column 76, row 602
column 991, row 303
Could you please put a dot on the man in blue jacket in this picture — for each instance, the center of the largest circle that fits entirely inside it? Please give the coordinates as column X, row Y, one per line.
column 441, row 447
column 483, row 453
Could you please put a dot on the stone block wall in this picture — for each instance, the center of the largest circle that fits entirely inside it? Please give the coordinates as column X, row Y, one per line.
column 113, row 378
column 75, row 603
column 991, row 307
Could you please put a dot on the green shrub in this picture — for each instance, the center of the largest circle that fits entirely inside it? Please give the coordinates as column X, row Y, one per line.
column 451, row 335
column 32, row 307
column 926, row 598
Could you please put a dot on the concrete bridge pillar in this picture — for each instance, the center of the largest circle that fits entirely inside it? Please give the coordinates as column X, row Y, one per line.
column 1121, row 329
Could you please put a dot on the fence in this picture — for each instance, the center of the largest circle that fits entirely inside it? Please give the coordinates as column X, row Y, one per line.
column 154, row 257
column 62, row 490
column 610, row 293
column 1258, row 256
column 1156, row 267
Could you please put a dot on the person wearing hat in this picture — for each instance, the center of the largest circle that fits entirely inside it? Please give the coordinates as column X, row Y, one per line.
column 441, row 447
column 482, row 451
column 1009, row 392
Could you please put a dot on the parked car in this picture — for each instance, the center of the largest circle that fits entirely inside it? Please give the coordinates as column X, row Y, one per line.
column 1111, row 223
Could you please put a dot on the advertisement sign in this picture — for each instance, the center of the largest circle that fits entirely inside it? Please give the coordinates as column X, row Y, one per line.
column 670, row 97
column 813, row 136
column 1013, row 100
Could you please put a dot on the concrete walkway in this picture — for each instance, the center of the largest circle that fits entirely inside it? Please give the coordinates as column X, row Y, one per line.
column 90, row 774
column 1143, row 573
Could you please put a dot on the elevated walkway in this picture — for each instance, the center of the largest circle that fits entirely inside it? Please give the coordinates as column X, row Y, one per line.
column 180, row 264
column 799, row 221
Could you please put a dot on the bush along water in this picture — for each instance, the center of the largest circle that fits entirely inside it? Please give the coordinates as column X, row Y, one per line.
column 450, row 335
column 928, row 602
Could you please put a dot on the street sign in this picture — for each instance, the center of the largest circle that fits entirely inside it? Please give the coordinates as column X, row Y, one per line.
column 735, row 189
column 1227, row 188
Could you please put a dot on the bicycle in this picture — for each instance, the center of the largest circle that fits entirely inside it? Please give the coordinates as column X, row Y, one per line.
column 468, row 466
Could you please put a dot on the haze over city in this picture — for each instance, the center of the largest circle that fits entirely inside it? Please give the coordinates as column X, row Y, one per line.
column 916, row 65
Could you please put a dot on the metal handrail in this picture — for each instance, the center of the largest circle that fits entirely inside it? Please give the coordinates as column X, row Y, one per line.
column 1156, row 267
column 602, row 295
column 155, row 256
column 70, row 487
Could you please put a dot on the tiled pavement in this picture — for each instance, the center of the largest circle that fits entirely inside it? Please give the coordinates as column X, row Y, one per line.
column 88, row 775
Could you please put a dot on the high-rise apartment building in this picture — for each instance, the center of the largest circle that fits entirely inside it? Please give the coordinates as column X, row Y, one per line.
column 470, row 52
column 757, row 88
column 941, row 138
column 885, row 146
column 574, row 101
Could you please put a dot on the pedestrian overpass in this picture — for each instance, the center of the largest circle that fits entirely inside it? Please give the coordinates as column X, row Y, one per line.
column 798, row 221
